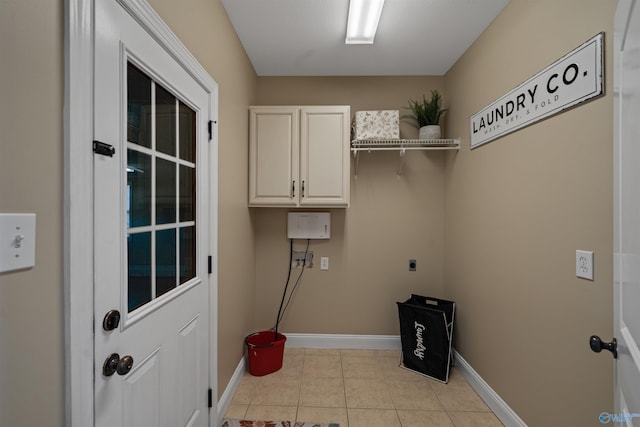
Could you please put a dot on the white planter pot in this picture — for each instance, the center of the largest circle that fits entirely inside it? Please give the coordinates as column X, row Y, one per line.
column 429, row 132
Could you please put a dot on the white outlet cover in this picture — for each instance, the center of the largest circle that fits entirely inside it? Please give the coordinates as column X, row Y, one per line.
column 584, row 264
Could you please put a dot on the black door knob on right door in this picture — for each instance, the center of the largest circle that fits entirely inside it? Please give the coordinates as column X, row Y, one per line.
column 597, row 345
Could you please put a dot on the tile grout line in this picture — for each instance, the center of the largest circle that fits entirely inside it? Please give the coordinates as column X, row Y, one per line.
column 344, row 389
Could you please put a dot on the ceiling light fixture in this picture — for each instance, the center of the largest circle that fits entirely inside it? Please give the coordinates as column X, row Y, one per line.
column 362, row 23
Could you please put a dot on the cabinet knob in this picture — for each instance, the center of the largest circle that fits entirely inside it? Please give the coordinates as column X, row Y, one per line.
column 293, row 189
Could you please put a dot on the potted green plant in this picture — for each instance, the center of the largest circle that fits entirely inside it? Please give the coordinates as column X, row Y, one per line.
column 428, row 113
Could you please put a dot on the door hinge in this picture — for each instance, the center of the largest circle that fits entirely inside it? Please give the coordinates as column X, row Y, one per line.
column 103, row 149
column 210, row 397
column 210, row 264
column 210, row 128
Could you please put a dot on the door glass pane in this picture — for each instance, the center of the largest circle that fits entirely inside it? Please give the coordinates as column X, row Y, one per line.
column 187, row 193
column 138, row 189
column 138, row 107
column 187, row 253
column 160, row 190
column 187, row 133
column 165, row 121
column 165, row 261
column 139, row 260
column 165, row 191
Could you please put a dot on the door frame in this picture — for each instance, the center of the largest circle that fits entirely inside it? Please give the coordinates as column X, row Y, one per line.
column 79, row 193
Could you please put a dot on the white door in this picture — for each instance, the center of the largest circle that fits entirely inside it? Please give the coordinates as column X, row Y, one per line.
column 151, row 231
column 627, row 216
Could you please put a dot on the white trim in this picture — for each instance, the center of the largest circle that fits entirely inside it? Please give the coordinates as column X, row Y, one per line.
column 78, row 212
column 155, row 26
column 232, row 387
column 369, row 342
column 78, row 197
column 491, row 398
column 632, row 346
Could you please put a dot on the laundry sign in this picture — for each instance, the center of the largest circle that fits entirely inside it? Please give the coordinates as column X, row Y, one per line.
column 571, row 80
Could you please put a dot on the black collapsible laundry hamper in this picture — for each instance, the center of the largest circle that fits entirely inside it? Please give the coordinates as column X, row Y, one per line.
column 426, row 332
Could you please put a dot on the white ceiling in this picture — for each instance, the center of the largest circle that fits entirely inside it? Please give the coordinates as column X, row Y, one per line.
column 306, row 37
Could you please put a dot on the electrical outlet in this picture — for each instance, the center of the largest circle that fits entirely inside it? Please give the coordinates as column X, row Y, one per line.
column 412, row 265
column 584, row 264
column 324, row 263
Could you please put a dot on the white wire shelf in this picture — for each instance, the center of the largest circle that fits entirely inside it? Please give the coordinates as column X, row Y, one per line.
column 400, row 145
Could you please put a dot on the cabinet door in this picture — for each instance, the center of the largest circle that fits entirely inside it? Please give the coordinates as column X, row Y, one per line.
column 324, row 156
column 273, row 156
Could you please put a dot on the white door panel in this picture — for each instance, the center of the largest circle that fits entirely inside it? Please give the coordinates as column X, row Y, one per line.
column 141, row 393
column 187, row 370
column 151, row 229
column 627, row 216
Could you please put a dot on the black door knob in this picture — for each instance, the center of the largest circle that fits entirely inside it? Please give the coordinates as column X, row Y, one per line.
column 115, row 364
column 111, row 320
column 110, row 364
column 597, row 345
column 124, row 365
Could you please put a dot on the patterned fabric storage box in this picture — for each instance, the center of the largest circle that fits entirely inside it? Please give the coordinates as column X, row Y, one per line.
column 379, row 124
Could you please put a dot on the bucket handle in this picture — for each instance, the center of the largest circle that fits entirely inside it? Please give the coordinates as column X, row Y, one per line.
column 246, row 341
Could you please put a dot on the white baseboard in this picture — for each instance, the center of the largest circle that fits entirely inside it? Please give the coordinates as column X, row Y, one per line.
column 378, row 342
column 366, row 342
column 230, row 390
column 499, row 407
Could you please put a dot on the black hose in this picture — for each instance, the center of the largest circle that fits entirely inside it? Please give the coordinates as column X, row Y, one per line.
column 275, row 337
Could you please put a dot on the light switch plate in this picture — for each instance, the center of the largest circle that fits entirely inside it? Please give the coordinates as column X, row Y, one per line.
column 584, row 264
column 17, row 241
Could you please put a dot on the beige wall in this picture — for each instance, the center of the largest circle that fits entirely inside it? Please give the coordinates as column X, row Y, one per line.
column 31, row 312
column 516, row 211
column 389, row 222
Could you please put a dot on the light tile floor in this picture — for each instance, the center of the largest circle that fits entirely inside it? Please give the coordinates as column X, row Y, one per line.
column 358, row 388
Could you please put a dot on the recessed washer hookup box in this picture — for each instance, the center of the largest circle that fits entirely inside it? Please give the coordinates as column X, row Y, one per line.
column 309, row 225
column 377, row 124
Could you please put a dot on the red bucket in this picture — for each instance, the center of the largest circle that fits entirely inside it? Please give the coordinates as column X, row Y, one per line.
column 266, row 350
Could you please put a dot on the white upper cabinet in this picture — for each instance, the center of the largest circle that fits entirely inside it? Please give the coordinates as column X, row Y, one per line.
column 299, row 156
